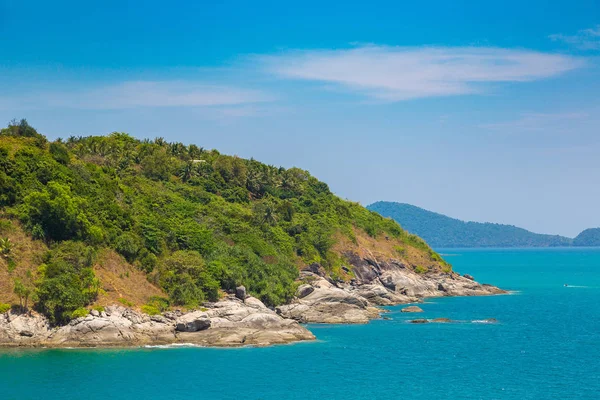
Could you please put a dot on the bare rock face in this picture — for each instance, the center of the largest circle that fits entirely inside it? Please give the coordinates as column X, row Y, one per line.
column 326, row 303
column 230, row 322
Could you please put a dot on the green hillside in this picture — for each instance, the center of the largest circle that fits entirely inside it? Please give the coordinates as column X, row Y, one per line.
column 82, row 219
column 589, row 237
column 442, row 231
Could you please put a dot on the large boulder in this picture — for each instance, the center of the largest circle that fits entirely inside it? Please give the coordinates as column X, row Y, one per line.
column 304, row 290
column 193, row 322
column 240, row 292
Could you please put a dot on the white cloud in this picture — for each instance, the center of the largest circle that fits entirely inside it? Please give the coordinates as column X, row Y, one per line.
column 401, row 73
column 134, row 94
column 585, row 39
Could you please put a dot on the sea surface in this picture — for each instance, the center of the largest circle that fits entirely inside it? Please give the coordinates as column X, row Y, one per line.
column 546, row 345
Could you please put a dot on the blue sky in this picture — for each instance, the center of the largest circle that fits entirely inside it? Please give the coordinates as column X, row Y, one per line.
column 487, row 112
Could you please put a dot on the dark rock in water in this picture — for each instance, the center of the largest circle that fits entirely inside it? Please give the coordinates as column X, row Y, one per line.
column 419, row 321
column 240, row 292
column 304, row 290
column 441, row 320
column 412, row 309
column 469, row 277
column 386, row 318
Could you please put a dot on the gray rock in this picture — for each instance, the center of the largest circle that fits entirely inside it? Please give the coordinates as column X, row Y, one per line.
column 240, row 292
column 95, row 313
column 304, row 290
column 469, row 277
column 192, row 322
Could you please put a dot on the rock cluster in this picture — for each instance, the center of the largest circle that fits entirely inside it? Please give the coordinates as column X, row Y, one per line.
column 230, row 322
column 377, row 283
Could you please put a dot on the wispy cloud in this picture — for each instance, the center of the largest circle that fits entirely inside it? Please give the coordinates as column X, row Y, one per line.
column 133, row 94
column 585, row 39
column 540, row 122
column 399, row 73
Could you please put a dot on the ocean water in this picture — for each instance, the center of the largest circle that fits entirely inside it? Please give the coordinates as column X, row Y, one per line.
column 546, row 345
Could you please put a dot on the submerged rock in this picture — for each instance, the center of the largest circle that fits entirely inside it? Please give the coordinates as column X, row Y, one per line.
column 419, row 321
column 412, row 309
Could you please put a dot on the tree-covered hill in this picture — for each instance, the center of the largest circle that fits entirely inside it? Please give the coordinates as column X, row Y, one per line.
column 149, row 221
column 589, row 237
column 442, row 231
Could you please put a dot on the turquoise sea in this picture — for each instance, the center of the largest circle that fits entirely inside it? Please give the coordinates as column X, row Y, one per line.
column 546, row 345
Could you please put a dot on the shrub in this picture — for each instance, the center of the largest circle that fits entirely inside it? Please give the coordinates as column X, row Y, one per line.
column 159, row 302
column 128, row 246
column 79, row 313
column 4, row 307
column 67, row 282
column 420, row 269
column 6, row 247
column 150, row 309
column 98, row 308
column 125, row 302
column 56, row 211
column 400, row 250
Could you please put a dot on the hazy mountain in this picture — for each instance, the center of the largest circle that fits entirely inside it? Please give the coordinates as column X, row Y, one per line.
column 443, row 231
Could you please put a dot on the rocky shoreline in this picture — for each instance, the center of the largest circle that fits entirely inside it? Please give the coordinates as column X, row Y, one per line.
column 240, row 320
column 227, row 323
column 377, row 283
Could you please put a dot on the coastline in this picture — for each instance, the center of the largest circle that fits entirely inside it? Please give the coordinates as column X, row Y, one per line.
column 244, row 320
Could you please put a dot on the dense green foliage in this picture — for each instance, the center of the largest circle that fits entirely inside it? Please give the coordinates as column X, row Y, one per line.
column 589, row 237
column 195, row 221
column 442, row 231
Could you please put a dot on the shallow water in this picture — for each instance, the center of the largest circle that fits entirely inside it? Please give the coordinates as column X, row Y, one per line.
column 544, row 346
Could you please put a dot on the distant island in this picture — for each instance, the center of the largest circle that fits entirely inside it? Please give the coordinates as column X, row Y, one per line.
column 443, row 231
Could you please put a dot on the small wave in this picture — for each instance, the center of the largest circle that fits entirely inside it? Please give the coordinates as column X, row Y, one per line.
column 170, row 346
column 484, row 321
column 576, row 286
